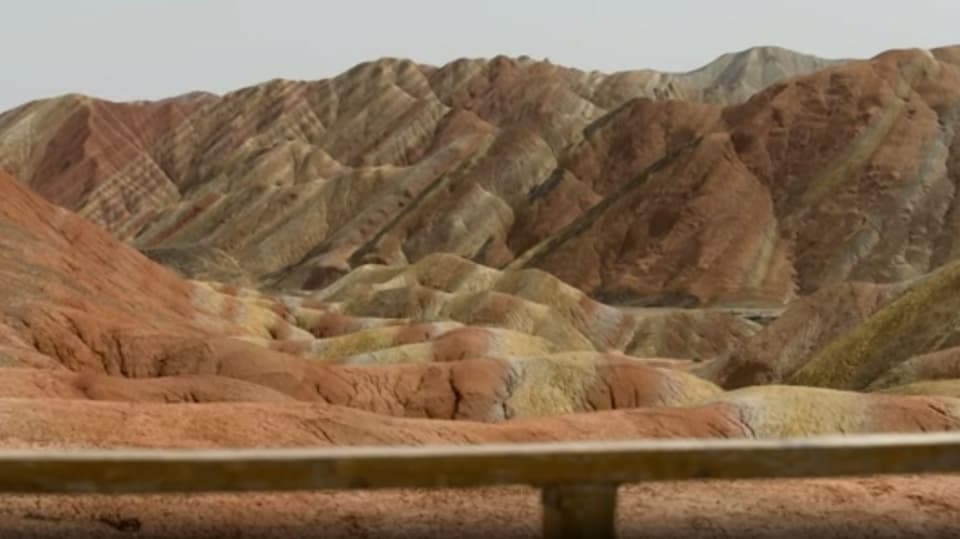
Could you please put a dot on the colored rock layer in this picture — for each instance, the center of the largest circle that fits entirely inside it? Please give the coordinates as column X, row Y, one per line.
column 88, row 322
column 490, row 251
column 846, row 172
column 294, row 183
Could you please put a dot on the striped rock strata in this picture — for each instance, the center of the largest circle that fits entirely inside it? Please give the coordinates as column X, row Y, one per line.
column 86, row 317
column 292, row 182
column 845, row 173
column 91, row 324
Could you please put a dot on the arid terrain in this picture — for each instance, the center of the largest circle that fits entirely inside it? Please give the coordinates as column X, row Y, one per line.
column 501, row 250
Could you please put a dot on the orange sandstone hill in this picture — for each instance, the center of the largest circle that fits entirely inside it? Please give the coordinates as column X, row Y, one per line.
column 86, row 318
column 97, row 338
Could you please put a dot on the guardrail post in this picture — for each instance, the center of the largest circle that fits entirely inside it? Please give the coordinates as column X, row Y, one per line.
column 579, row 511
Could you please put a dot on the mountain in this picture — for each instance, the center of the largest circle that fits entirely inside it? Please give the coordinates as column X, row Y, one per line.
column 847, row 173
column 293, row 183
column 87, row 318
column 494, row 250
column 737, row 76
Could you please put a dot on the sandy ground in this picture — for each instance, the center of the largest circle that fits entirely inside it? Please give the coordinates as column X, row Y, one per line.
column 885, row 508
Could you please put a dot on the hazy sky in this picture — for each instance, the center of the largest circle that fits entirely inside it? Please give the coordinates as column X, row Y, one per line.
column 131, row 49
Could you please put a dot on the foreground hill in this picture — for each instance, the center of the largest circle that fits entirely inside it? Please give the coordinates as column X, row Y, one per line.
column 88, row 323
column 97, row 338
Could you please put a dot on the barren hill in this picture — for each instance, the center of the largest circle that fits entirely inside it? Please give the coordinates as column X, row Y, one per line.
column 842, row 173
column 496, row 250
column 97, row 338
column 293, row 183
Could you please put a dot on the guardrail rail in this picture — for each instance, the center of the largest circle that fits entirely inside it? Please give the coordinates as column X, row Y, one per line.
column 578, row 480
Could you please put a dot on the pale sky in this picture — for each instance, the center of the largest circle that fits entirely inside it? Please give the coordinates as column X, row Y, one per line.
column 139, row 49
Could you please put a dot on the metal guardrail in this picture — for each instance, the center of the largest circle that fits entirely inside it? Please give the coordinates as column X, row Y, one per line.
column 578, row 480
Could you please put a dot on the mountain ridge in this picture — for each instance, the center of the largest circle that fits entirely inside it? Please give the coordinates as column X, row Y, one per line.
column 296, row 183
column 780, row 52
column 413, row 256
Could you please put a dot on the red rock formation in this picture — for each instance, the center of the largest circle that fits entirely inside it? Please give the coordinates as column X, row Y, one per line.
column 845, row 174
column 78, row 300
column 391, row 162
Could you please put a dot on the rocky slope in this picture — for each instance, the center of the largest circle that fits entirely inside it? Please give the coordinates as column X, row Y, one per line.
column 88, row 319
column 85, row 317
column 848, row 172
column 97, row 338
column 898, row 338
column 483, row 252
column 294, row 183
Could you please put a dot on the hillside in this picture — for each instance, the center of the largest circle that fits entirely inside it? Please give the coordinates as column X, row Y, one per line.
column 293, row 183
column 97, row 338
column 490, row 251
column 848, row 173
